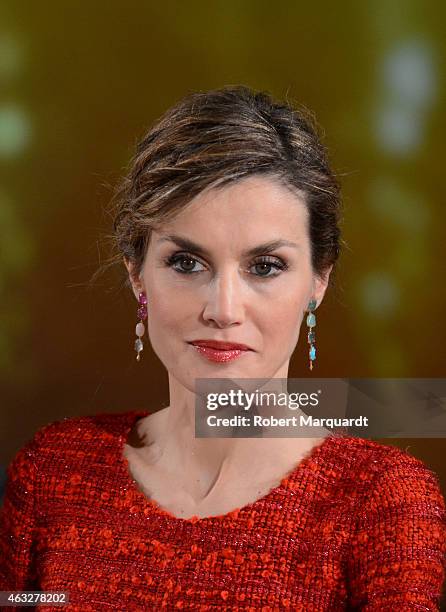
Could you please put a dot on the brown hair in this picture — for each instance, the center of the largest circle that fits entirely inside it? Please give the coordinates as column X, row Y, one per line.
column 209, row 139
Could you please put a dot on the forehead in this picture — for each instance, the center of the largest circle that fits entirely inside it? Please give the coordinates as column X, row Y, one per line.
column 249, row 210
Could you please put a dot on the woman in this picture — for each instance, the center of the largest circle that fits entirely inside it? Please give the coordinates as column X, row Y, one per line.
column 228, row 226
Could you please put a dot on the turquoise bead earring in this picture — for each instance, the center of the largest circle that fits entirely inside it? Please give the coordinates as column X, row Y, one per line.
column 311, row 322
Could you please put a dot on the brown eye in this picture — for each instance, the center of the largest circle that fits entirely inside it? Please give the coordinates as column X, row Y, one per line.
column 264, row 267
column 187, row 264
column 184, row 264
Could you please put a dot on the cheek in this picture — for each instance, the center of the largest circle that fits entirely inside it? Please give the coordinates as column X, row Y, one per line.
column 171, row 298
column 168, row 320
column 288, row 309
column 285, row 330
column 282, row 322
column 164, row 317
column 162, row 330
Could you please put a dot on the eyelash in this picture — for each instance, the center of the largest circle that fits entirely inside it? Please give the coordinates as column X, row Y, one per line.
column 277, row 263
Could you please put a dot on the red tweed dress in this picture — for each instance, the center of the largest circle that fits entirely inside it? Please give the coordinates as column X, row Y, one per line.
column 356, row 525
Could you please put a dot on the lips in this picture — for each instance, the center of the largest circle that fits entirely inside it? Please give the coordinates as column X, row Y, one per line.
column 221, row 346
column 220, row 352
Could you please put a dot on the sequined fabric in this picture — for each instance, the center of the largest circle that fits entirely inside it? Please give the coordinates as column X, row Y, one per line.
column 357, row 525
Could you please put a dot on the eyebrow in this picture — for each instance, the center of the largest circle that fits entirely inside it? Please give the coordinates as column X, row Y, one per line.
column 189, row 245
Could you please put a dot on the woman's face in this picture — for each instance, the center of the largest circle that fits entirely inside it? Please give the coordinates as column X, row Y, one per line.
column 214, row 287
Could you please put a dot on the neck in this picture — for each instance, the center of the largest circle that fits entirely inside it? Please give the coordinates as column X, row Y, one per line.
column 178, row 449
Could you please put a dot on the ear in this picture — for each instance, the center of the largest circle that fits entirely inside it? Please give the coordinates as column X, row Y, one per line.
column 135, row 281
column 320, row 285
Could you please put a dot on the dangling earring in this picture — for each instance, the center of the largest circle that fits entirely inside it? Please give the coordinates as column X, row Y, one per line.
column 311, row 322
column 140, row 329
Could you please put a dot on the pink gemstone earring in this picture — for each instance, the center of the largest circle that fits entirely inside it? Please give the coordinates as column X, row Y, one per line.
column 140, row 329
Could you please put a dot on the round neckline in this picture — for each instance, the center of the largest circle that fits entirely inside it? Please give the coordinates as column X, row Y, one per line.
column 147, row 502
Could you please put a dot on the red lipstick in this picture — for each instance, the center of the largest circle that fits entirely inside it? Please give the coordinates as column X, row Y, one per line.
column 218, row 351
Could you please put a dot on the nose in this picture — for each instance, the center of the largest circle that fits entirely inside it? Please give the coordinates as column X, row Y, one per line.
column 225, row 300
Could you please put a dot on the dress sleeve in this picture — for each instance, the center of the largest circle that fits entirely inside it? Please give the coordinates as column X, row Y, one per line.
column 397, row 560
column 17, row 521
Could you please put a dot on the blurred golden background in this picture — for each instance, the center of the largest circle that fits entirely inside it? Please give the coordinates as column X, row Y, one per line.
column 81, row 82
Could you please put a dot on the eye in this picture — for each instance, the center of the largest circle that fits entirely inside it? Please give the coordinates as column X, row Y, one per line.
column 183, row 263
column 266, row 264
